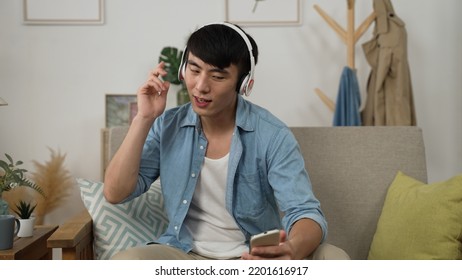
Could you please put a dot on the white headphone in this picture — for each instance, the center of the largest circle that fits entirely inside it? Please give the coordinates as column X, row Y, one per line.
column 245, row 84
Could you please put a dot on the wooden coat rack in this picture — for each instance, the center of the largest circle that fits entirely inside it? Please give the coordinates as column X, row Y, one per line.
column 349, row 36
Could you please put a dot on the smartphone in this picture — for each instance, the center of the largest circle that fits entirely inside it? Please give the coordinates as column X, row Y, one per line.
column 267, row 238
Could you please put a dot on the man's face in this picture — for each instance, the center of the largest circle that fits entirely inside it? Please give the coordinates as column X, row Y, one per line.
column 212, row 90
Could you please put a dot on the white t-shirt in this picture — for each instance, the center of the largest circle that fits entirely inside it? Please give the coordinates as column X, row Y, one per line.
column 214, row 230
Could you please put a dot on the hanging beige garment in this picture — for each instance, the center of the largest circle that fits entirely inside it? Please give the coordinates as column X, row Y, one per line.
column 389, row 98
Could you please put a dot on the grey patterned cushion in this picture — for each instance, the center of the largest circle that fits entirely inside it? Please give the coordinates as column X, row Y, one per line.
column 122, row 226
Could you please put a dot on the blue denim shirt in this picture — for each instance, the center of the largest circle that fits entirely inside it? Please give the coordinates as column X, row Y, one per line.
column 266, row 172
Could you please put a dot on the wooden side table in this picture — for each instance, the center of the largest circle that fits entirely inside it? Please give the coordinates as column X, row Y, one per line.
column 31, row 248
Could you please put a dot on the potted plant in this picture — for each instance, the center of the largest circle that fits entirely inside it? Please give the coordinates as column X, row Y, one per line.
column 12, row 176
column 172, row 58
column 24, row 211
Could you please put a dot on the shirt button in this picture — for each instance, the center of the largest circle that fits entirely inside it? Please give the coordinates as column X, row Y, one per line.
column 201, row 147
column 193, row 175
column 176, row 227
column 185, row 201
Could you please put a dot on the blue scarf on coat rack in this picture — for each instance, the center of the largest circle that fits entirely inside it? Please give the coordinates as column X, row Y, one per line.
column 348, row 100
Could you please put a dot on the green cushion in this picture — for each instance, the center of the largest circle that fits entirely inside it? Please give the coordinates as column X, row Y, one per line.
column 118, row 227
column 420, row 221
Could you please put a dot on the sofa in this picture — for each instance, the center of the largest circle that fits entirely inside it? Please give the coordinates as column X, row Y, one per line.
column 350, row 168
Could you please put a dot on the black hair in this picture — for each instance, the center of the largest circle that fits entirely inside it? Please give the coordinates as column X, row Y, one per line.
column 220, row 46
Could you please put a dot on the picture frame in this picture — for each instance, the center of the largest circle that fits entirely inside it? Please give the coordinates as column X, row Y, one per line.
column 120, row 109
column 264, row 12
column 133, row 109
column 62, row 12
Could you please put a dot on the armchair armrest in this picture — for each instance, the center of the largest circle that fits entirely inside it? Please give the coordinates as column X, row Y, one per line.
column 74, row 237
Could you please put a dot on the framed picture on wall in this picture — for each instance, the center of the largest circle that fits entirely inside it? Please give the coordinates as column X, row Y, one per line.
column 120, row 109
column 263, row 12
column 63, row 12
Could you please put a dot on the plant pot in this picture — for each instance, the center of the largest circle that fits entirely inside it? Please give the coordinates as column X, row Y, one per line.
column 27, row 227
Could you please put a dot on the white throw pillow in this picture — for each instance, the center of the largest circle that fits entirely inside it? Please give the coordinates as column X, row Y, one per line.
column 118, row 227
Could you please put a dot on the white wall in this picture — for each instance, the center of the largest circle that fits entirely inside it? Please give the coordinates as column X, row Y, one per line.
column 55, row 77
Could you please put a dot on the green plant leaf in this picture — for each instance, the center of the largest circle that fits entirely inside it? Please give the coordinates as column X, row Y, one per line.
column 172, row 58
column 13, row 177
column 4, row 165
column 10, row 159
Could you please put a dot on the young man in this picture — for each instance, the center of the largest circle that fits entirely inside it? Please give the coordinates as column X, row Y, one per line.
column 227, row 166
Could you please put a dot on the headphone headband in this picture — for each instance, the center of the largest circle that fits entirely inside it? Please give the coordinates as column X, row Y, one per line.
column 246, row 84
